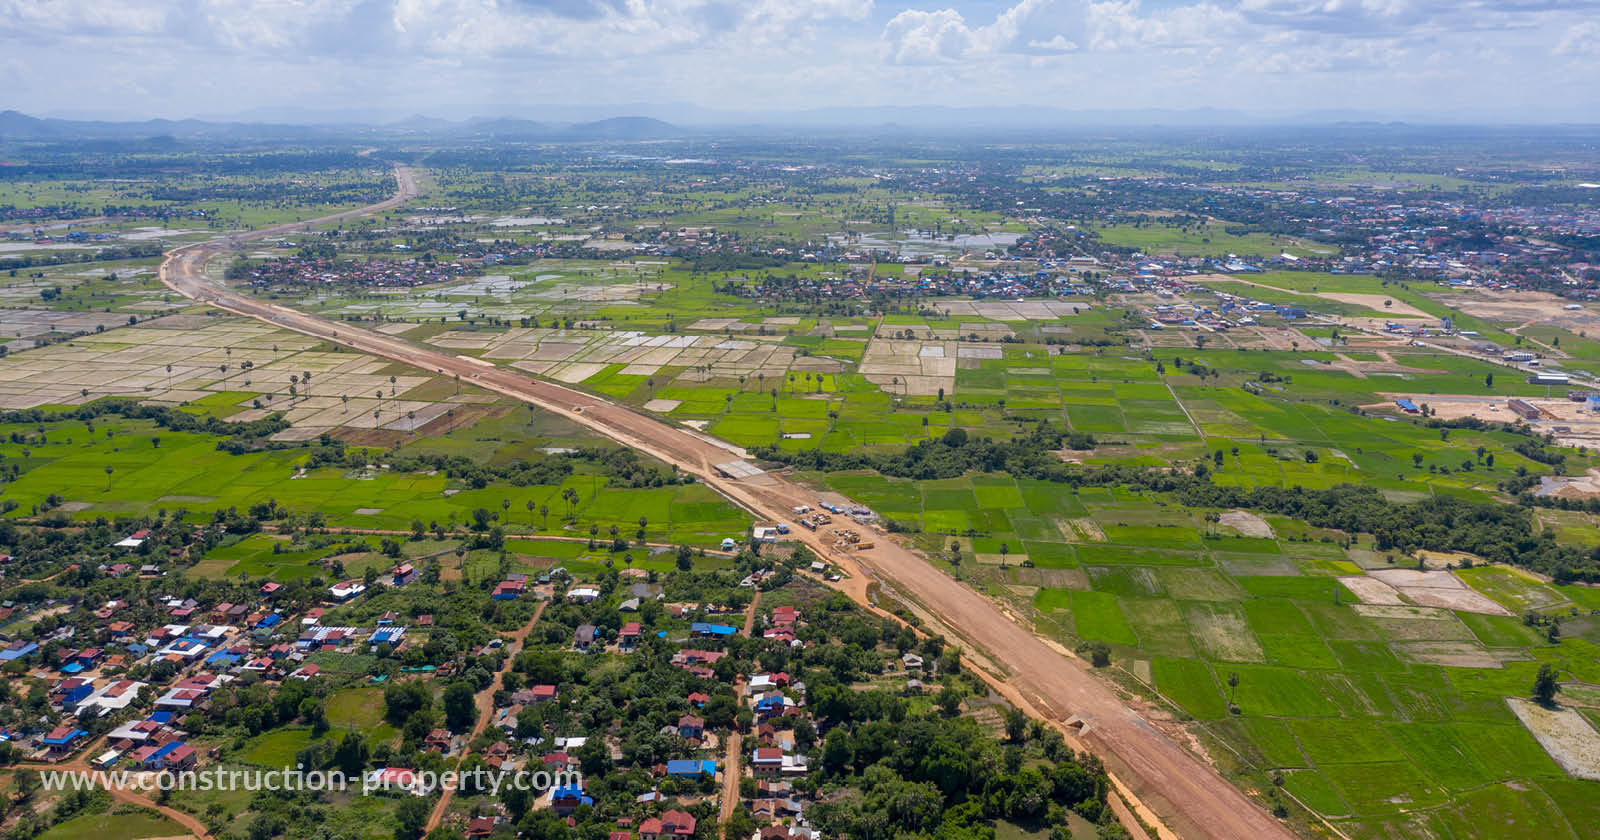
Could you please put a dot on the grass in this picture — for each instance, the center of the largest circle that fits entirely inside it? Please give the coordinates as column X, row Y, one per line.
column 187, row 471
column 1515, row 590
column 1190, row 684
column 278, row 748
column 114, row 825
column 1097, row 616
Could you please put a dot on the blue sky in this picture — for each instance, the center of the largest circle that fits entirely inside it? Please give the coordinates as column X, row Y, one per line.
column 1482, row 60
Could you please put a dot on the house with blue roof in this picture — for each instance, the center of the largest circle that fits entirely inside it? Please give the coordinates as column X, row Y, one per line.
column 392, row 635
column 17, row 650
column 72, row 692
column 702, row 628
column 688, row 768
column 564, row 800
column 62, row 740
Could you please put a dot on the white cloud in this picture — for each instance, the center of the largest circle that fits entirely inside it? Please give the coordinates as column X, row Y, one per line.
column 177, row 57
column 1583, row 39
column 1032, row 27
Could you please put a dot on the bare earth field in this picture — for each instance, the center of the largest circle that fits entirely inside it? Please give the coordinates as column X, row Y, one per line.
column 1438, row 589
column 1565, row 734
column 1372, row 591
column 1247, row 524
column 1520, row 307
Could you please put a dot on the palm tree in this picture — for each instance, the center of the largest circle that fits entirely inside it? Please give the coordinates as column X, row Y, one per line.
column 345, row 398
column 109, row 470
column 571, row 497
column 391, row 386
column 544, row 511
column 169, row 377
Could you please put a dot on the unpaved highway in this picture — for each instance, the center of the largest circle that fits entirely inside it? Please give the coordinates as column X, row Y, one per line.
column 1188, row 795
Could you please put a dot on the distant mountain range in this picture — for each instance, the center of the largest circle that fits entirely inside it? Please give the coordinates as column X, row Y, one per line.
column 15, row 125
column 647, row 122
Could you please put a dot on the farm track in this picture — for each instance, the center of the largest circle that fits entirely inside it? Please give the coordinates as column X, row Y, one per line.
column 1188, row 795
column 484, row 704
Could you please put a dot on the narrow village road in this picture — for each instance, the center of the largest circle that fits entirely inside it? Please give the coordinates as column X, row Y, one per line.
column 732, row 768
column 196, row 828
column 1187, row 794
column 484, row 702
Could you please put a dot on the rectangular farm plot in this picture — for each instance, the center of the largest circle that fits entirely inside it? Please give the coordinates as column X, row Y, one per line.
column 1182, row 537
column 1344, row 741
column 1097, row 616
column 1105, row 554
column 1437, row 589
column 1190, row 684
column 1565, row 734
column 1095, row 418
column 1279, row 692
column 1197, row 584
column 1516, row 591
column 1442, row 751
column 1384, row 787
column 1159, row 625
column 1126, row 581
column 1314, row 789
column 1222, row 632
column 1050, row 555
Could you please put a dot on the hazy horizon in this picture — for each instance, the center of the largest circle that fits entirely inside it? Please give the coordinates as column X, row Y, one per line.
column 1485, row 61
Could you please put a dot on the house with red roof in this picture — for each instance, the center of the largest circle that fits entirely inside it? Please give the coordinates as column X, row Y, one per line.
column 628, row 636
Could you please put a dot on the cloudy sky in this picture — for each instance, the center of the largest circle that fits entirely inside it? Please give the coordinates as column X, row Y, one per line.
column 1470, row 59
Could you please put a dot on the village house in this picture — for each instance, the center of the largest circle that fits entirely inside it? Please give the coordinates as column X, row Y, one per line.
column 628, row 636
column 583, row 637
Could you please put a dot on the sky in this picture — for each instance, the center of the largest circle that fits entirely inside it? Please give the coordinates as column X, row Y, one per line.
column 1466, row 60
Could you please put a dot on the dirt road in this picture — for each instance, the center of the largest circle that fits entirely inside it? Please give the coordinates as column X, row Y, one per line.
column 196, row 828
column 732, row 769
column 1186, row 793
column 485, row 703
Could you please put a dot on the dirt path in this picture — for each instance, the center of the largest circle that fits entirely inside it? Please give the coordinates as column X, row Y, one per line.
column 485, row 704
column 750, row 613
column 1185, row 792
column 732, row 770
column 189, row 821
